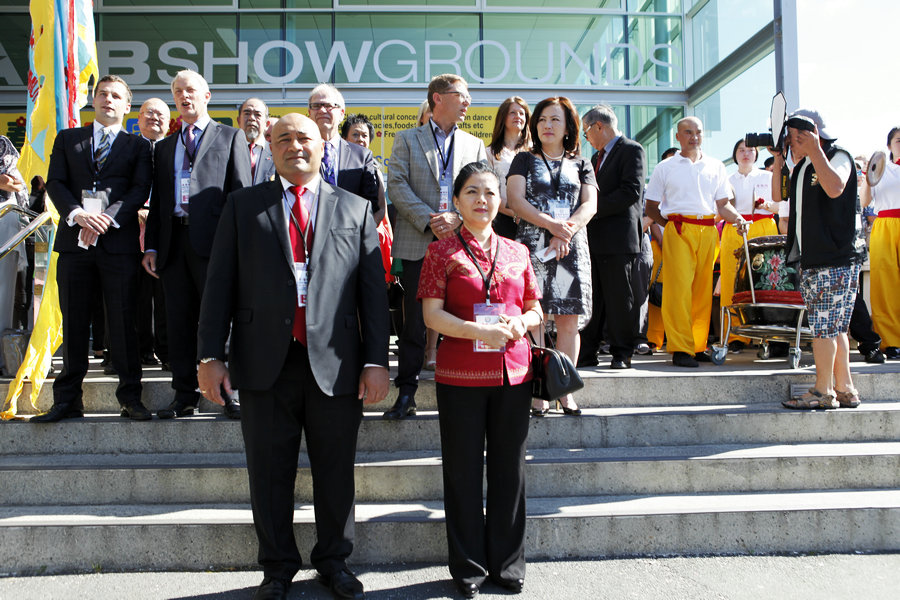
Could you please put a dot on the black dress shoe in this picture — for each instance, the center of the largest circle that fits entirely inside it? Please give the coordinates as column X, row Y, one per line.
column 272, row 589
column 620, row 363
column 405, row 406
column 106, row 360
column 110, row 370
column 149, row 359
column 587, row 359
column 177, row 408
column 892, row 352
column 233, row 409
column 343, row 584
column 166, row 366
column 513, row 585
column 136, row 412
column 703, row 357
column 683, row 359
column 58, row 412
column 873, row 356
column 468, row 590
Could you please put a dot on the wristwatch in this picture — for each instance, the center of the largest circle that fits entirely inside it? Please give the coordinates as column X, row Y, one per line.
column 203, row 361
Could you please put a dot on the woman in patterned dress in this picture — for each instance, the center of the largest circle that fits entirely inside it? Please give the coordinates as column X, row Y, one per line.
column 553, row 191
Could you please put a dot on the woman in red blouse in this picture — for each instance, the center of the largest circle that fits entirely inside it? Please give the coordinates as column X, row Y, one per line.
column 478, row 289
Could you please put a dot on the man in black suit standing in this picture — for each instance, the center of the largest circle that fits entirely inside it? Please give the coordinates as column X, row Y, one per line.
column 252, row 117
column 195, row 169
column 309, row 346
column 98, row 178
column 348, row 166
column 614, row 238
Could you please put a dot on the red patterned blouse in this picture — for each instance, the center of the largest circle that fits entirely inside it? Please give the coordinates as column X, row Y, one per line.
column 448, row 273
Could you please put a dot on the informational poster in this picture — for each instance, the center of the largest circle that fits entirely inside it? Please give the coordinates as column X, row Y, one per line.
column 387, row 121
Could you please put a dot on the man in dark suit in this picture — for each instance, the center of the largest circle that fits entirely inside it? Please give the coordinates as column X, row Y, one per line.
column 99, row 176
column 349, row 166
column 195, row 169
column 614, row 238
column 252, row 117
column 309, row 346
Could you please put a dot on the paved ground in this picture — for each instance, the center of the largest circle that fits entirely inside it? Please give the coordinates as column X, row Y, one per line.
column 856, row 577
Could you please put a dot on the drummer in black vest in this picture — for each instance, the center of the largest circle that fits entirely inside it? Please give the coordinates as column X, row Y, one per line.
column 821, row 235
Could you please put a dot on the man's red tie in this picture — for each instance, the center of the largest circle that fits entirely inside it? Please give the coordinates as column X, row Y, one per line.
column 600, row 154
column 302, row 215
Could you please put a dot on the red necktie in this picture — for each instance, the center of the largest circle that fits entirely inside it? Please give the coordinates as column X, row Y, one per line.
column 600, row 154
column 300, row 213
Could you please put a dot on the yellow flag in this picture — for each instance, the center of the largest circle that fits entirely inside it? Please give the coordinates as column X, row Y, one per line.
column 62, row 60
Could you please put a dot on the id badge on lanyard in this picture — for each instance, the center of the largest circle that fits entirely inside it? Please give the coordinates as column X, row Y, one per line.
column 559, row 209
column 301, row 276
column 184, row 187
column 488, row 314
column 446, row 186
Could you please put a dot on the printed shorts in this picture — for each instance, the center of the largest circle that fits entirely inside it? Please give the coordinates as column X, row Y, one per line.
column 829, row 294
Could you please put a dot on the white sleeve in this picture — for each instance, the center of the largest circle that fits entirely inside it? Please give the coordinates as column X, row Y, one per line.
column 656, row 189
column 843, row 165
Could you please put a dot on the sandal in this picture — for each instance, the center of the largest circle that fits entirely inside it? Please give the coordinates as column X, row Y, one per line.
column 848, row 399
column 811, row 400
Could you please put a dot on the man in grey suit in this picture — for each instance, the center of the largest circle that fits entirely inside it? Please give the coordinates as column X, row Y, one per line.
column 194, row 170
column 252, row 117
column 348, row 166
column 424, row 163
column 309, row 347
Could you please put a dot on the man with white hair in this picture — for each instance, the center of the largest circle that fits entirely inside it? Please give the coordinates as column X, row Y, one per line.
column 348, row 166
column 253, row 116
column 195, row 169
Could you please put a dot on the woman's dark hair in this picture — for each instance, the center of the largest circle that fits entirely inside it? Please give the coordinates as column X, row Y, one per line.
column 737, row 145
column 571, row 143
column 473, row 168
column 893, row 131
column 496, row 144
column 357, row 119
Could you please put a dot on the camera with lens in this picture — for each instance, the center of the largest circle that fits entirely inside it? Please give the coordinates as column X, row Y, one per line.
column 768, row 140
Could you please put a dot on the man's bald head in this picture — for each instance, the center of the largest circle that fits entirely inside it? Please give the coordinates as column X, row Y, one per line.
column 689, row 133
column 297, row 148
column 153, row 119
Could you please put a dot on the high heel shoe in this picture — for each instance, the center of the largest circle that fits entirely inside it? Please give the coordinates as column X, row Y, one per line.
column 540, row 412
column 572, row 412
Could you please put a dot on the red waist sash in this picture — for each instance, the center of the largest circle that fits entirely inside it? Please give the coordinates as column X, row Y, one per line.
column 679, row 219
column 757, row 217
column 893, row 213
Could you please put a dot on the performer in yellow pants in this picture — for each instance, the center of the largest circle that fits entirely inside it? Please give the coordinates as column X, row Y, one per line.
column 884, row 268
column 688, row 260
column 656, row 330
column 731, row 241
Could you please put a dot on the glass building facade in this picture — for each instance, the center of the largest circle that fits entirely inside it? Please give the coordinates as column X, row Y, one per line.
column 654, row 61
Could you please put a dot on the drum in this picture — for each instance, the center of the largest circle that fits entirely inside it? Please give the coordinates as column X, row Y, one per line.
column 774, row 282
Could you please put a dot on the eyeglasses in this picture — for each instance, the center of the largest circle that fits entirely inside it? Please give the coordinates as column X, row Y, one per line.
column 588, row 128
column 326, row 105
column 463, row 96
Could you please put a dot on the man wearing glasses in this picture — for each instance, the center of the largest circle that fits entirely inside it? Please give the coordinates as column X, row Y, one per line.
column 348, row 166
column 424, row 163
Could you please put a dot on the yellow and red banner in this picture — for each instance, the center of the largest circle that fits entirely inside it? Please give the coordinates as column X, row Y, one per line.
column 62, row 60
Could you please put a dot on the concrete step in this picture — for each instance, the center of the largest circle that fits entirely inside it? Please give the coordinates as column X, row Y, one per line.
column 120, row 479
column 760, row 423
column 653, row 382
column 151, row 537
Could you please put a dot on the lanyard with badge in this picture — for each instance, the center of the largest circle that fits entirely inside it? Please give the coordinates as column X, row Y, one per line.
column 301, row 269
column 446, row 183
column 489, row 312
column 559, row 207
column 96, row 201
column 184, row 176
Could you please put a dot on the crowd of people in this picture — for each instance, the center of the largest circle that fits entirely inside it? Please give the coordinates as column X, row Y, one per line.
column 264, row 259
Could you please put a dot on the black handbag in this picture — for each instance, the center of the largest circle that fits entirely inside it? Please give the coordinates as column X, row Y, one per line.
column 655, row 291
column 554, row 374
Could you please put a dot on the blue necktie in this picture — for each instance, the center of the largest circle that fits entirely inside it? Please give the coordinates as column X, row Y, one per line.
column 102, row 152
column 328, row 164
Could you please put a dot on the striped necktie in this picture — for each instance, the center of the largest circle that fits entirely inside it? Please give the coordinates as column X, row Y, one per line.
column 328, row 164
column 102, row 152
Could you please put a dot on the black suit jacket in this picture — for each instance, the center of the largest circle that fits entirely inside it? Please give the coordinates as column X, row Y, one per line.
column 356, row 172
column 222, row 166
column 126, row 175
column 250, row 285
column 616, row 227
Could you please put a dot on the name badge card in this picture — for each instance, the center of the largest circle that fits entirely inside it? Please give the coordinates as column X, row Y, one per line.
column 301, row 276
column 560, row 210
column 446, row 187
column 185, row 187
column 488, row 314
column 93, row 201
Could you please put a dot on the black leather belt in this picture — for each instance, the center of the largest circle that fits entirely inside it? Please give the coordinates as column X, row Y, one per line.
column 181, row 220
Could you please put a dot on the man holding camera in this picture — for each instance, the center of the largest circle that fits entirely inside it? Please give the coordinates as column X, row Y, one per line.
column 684, row 194
column 822, row 235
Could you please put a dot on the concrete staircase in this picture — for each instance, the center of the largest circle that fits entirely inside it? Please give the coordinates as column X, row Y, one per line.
column 663, row 462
